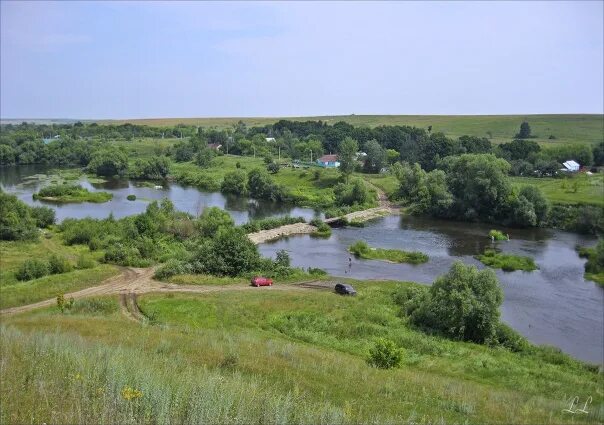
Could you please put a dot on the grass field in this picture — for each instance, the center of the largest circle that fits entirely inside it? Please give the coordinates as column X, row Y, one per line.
column 579, row 128
column 579, row 189
column 265, row 357
column 12, row 254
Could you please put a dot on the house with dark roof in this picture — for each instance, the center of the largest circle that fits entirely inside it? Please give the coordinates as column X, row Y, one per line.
column 328, row 161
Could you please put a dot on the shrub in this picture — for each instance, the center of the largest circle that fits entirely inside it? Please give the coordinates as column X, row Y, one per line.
column 510, row 339
column 314, row 271
column 32, row 269
column 171, row 268
column 44, row 216
column 234, row 182
column 131, row 197
column 463, row 304
column 16, row 222
column 497, row 235
column 64, row 304
column 272, row 168
column 324, row 230
column 385, row 354
column 58, row 265
column 359, row 248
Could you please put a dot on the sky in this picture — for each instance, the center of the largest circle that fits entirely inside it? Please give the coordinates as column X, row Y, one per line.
column 102, row 60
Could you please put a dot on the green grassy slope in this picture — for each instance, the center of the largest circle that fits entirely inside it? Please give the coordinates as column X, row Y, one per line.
column 303, row 351
column 583, row 128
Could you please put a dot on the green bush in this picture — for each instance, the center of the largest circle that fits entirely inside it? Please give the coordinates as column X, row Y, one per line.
column 32, row 269
column 463, row 304
column 58, row 265
column 324, row 230
column 497, row 235
column 272, row 168
column 44, row 216
column 234, row 182
column 171, row 268
column 385, row 354
column 131, row 197
column 16, row 221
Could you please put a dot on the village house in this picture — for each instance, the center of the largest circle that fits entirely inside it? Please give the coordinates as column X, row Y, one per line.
column 328, row 161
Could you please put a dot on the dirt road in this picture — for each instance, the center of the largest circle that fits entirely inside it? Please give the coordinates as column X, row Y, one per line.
column 133, row 281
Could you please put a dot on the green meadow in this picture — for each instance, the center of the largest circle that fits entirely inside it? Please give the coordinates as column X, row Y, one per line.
column 569, row 128
column 273, row 357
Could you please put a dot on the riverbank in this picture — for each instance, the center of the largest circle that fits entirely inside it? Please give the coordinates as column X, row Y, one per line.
column 211, row 334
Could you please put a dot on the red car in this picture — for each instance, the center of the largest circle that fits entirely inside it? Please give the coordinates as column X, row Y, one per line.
column 262, row 281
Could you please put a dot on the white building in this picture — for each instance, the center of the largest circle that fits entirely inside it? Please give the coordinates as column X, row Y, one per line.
column 571, row 166
column 270, row 139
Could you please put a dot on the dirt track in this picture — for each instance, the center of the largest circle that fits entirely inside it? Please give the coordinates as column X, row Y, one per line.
column 133, row 281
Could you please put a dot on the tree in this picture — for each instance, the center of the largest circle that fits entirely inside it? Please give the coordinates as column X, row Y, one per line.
column 464, row 304
column 44, row 216
column 376, row 157
column 540, row 204
column 229, row 253
column 261, row 186
column 347, row 153
column 519, row 149
column 204, row 157
column 234, row 182
column 479, row 185
column 272, row 168
column 16, row 221
column 109, row 162
column 525, row 131
column 472, row 144
column 598, row 154
column 282, row 260
column 212, row 219
column 354, row 193
column 392, row 156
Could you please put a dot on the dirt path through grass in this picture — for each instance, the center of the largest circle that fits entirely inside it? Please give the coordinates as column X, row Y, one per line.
column 133, row 281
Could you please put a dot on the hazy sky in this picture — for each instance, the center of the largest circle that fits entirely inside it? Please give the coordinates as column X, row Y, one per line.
column 128, row 60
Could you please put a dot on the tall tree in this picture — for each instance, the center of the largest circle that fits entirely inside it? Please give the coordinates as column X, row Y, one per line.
column 347, row 154
column 376, row 157
column 525, row 131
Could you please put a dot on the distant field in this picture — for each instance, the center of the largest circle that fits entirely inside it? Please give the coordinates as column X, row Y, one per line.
column 580, row 189
column 580, row 128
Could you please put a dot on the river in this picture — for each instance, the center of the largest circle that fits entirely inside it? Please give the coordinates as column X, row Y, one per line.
column 554, row 305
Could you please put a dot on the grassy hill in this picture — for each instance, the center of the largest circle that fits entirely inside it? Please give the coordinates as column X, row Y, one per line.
column 579, row 128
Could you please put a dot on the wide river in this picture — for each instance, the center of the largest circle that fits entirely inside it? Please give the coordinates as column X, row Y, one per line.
column 553, row 305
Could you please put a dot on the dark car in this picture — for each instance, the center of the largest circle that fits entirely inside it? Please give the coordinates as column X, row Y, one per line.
column 344, row 289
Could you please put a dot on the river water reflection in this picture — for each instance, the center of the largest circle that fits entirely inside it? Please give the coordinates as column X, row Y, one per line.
column 553, row 305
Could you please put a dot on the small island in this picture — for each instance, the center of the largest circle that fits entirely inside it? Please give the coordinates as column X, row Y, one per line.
column 362, row 250
column 506, row 262
column 71, row 193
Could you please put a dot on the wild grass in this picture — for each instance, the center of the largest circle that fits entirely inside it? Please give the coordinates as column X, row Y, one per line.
column 363, row 250
column 12, row 254
column 498, row 235
column 506, row 262
column 578, row 189
column 70, row 380
column 23, row 293
column 308, row 347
